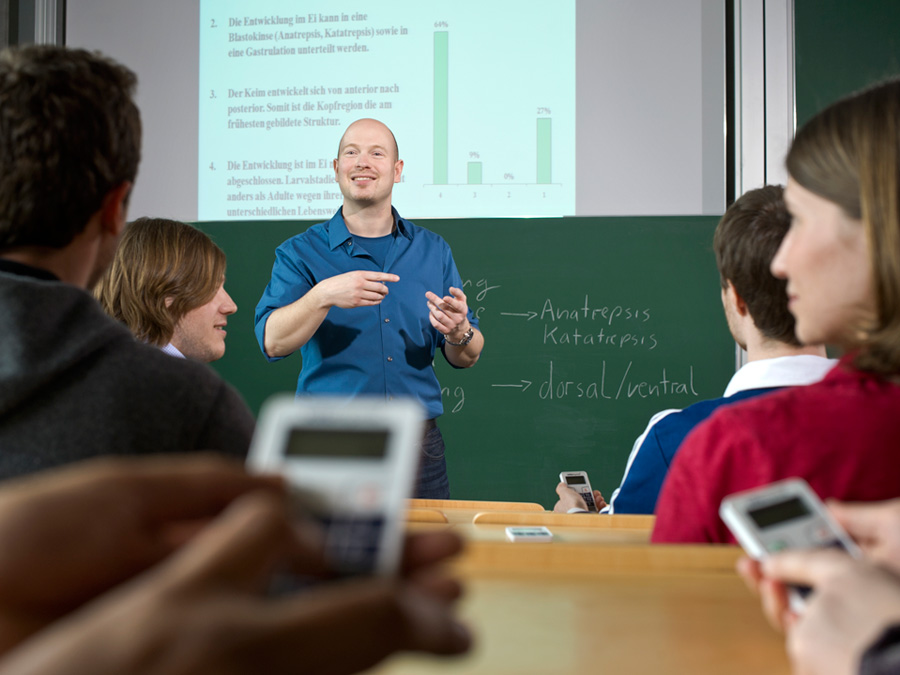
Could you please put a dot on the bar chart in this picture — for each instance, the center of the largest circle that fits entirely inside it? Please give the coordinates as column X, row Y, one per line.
column 476, row 172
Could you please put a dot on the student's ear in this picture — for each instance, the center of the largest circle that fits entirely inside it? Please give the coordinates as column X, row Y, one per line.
column 114, row 209
column 731, row 296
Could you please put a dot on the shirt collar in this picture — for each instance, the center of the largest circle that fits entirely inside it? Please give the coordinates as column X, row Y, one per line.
column 782, row 371
column 171, row 350
column 24, row 270
column 338, row 234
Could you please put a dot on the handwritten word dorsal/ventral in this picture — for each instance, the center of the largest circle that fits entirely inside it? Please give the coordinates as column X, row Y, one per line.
column 614, row 383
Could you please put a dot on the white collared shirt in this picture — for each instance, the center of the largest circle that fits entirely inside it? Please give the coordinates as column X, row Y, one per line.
column 782, row 371
column 172, row 350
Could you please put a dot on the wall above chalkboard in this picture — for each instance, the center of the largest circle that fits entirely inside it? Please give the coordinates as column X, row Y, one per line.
column 591, row 326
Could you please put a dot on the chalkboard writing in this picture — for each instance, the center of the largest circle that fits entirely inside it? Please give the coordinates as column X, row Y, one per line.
column 591, row 326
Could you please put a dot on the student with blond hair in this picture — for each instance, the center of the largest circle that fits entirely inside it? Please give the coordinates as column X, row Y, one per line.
column 167, row 284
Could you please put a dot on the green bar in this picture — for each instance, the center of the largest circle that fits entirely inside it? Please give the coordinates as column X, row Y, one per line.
column 544, row 146
column 441, row 106
column 474, row 173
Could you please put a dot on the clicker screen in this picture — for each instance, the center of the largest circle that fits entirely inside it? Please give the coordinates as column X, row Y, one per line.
column 336, row 443
column 781, row 512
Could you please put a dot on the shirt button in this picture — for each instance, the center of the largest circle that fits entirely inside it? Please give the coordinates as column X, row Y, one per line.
column 390, row 358
column 387, row 320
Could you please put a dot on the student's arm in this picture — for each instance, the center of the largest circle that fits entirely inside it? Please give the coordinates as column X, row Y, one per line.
column 644, row 472
column 854, row 602
column 290, row 327
column 687, row 510
column 69, row 534
column 229, row 425
column 205, row 611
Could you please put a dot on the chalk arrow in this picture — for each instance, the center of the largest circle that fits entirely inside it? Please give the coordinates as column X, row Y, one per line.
column 524, row 386
column 530, row 315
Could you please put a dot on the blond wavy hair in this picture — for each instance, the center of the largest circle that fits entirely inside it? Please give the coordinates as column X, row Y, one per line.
column 162, row 270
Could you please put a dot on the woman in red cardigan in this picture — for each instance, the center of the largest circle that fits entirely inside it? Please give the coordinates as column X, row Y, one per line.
column 841, row 259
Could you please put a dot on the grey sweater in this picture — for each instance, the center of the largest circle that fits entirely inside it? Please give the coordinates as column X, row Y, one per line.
column 75, row 384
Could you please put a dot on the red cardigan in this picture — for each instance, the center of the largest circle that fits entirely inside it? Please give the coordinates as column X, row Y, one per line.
column 841, row 434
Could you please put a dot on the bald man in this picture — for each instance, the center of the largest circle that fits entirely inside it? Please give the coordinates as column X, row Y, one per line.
column 368, row 297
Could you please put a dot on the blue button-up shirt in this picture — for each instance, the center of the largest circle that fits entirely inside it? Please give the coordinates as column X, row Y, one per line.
column 386, row 349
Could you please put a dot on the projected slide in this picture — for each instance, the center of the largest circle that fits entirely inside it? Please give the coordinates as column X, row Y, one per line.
column 481, row 97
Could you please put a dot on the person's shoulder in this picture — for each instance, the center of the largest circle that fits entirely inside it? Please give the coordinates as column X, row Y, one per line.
column 670, row 431
column 692, row 415
column 744, row 424
column 160, row 371
column 189, row 395
column 801, row 407
column 60, row 322
column 319, row 231
column 701, row 410
column 417, row 231
column 770, row 406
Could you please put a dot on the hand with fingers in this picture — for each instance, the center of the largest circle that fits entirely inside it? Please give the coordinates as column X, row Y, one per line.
column 360, row 288
column 204, row 608
column 70, row 534
column 853, row 602
column 876, row 528
column 449, row 315
column 569, row 499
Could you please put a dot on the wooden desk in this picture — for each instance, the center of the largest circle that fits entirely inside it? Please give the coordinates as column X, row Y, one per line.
column 516, row 513
column 426, row 516
column 477, row 505
column 462, row 511
column 550, row 519
column 476, row 525
column 625, row 624
column 473, row 532
column 542, row 609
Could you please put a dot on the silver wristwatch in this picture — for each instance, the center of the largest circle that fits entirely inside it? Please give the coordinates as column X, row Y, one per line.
column 467, row 338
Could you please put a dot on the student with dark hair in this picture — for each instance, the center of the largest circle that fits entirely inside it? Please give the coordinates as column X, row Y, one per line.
column 755, row 305
column 167, row 284
column 73, row 382
column 841, row 261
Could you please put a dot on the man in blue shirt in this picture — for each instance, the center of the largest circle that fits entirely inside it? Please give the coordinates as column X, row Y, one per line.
column 368, row 297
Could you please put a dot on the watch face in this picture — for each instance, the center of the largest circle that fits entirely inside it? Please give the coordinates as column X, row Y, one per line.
column 467, row 338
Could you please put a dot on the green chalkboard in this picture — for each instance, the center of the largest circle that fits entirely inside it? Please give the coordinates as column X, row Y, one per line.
column 842, row 46
column 591, row 326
